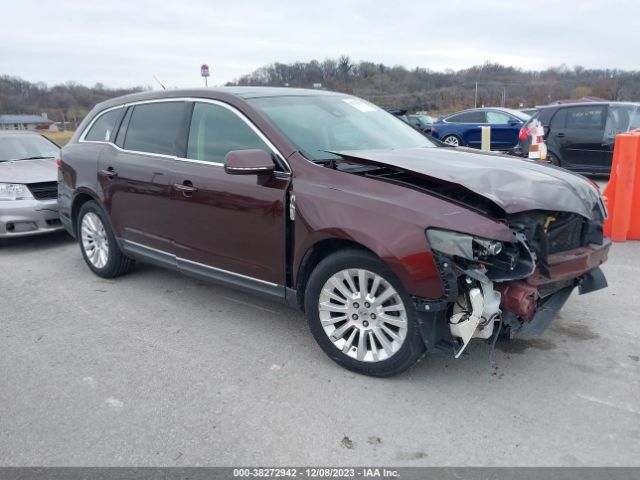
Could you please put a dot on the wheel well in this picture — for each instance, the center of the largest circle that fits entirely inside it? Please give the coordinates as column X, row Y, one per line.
column 314, row 256
column 80, row 200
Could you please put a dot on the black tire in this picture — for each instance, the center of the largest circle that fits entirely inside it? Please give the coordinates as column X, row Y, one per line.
column 449, row 138
column 553, row 159
column 410, row 350
column 117, row 263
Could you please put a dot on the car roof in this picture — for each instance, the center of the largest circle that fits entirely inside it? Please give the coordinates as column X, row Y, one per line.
column 484, row 109
column 510, row 111
column 241, row 92
column 586, row 104
column 219, row 93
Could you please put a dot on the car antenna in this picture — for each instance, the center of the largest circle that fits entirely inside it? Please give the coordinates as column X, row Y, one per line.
column 156, row 78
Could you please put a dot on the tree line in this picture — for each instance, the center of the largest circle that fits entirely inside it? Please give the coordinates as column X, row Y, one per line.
column 388, row 86
column 424, row 89
column 69, row 102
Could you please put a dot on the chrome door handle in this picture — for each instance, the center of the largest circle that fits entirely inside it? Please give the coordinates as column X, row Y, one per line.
column 185, row 188
column 109, row 172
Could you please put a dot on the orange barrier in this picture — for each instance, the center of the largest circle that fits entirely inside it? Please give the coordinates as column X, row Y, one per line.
column 622, row 193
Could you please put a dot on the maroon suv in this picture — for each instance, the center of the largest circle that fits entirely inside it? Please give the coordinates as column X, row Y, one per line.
column 392, row 245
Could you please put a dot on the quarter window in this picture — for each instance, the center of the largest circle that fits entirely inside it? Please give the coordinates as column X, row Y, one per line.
column 102, row 128
column 590, row 118
column 215, row 131
column 155, row 128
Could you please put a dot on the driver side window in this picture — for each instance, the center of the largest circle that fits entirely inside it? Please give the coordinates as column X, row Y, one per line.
column 215, row 131
column 498, row 118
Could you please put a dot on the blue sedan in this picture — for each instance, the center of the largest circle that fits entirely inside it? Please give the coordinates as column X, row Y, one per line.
column 463, row 128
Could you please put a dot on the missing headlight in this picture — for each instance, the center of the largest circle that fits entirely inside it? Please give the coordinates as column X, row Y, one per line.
column 462, row 245
column 499, row 260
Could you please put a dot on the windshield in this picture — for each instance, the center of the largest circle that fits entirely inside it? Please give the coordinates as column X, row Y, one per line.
column 318, row 124
column 25, row 146
column 524, row 116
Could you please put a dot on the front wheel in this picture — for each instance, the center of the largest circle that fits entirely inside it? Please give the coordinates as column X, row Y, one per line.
column 553, row 160
column 98, row 243
column 452, row 140
column 361, row 316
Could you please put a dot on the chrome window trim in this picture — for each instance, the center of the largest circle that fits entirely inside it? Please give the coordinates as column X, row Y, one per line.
column 221, row 270
column 86, row 130
column 231, row 108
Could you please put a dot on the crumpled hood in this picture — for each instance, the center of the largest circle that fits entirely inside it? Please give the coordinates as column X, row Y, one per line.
column 512, row 183
column 29, row 171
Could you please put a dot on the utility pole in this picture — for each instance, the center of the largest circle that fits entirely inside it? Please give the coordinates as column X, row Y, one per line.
column 475, row 102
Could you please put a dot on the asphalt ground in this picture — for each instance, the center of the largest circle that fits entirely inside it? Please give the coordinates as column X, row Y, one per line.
column 156, row 368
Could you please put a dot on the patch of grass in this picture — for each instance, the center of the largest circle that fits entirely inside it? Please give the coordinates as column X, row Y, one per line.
column 61, row 138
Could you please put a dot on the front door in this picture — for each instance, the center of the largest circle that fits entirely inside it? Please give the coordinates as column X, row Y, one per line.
column 230, row 227
column 504, row 130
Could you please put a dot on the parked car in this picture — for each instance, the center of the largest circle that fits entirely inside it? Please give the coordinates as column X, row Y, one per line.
column 463, row 128
column 424, row 123
column 581, row 136
column 391, row 245
column 28, row 184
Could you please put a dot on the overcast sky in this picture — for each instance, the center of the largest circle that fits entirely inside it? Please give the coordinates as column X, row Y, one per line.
column 124, row 43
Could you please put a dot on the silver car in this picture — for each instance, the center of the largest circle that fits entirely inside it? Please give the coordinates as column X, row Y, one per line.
column 28, row 184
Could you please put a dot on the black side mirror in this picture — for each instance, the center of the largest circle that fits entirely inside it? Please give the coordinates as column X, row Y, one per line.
column 514, row 122
column 248, row 162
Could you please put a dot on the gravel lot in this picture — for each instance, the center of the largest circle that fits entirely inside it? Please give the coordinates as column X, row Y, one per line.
column 159, row 369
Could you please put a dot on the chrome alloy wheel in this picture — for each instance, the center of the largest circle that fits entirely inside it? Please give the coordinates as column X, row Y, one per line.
column 363, row 315
column 452, row 140
column 94, row 240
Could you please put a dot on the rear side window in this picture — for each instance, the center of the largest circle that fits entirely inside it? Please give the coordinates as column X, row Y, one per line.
column 215, row 131
column 590, row 118
column 155, row 127
column 559, row 120
column 102, row 128
column 467, row 117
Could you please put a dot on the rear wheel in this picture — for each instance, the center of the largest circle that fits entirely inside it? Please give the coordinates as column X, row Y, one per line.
column 361, row 316
column 452, row 140
column 98, row 243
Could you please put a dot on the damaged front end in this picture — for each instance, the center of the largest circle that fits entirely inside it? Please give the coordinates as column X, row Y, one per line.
column 519, row 285
column 518, row 281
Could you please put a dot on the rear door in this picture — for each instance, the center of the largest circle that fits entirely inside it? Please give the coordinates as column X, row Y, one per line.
column 467, row 126
column 230, row 227
column 581, row 139
column 135, row 173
